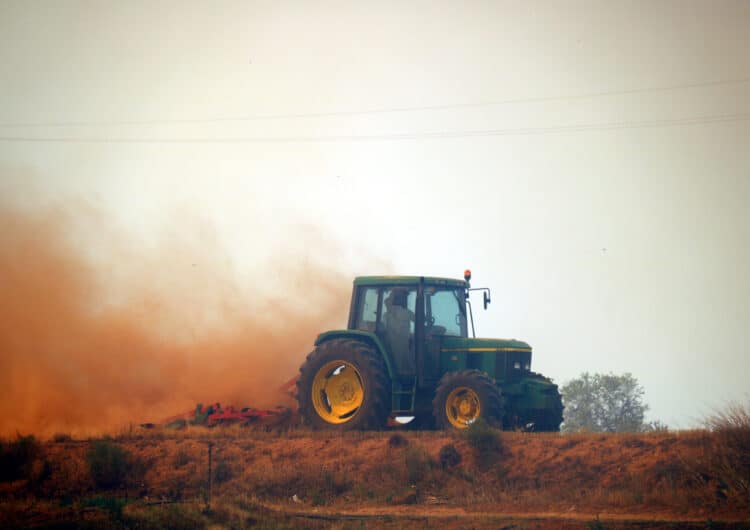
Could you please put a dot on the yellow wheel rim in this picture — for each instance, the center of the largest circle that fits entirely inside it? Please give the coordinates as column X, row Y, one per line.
column 337, row 392
column 462, row 407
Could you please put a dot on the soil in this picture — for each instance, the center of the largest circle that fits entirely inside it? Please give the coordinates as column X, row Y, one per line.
column 297, row 478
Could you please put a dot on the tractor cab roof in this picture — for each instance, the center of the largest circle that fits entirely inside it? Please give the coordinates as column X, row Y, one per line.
column 408, row 280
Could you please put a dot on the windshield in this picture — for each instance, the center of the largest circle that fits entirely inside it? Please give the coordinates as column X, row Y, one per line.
column 445, row 309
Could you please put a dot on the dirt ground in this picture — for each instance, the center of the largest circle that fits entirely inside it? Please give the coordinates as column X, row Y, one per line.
column 396, row 479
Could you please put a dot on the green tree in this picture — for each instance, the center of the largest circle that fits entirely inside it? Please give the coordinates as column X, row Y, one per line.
column 603, row 403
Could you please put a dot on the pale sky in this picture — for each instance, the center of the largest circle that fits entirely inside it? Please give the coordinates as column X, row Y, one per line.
column 589, row 161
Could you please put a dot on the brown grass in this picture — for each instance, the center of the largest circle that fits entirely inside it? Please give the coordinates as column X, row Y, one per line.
column 722, row 463
column 677, row 473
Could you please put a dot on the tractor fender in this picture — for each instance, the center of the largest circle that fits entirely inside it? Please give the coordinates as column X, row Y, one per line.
column 364, row 336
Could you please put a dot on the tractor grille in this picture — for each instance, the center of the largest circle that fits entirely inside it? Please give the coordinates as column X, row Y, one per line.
column 510, row 366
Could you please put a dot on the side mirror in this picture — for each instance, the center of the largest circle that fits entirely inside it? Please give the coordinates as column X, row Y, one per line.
column 486, row 299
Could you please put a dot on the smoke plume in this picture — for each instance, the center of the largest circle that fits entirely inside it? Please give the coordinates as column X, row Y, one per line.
column 94, row 336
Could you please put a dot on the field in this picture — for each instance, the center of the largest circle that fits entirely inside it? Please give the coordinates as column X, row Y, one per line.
column 295, row 478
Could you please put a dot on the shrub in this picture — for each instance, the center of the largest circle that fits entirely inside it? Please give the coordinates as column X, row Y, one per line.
column 449, row 456
column 309, row 482
column 17, row 458
column 184, row 517
column 108, row 464
column 418, row 464
column 223, row 472
column 596, row 524
column 728, row 461
column 326, row 487
column 336, row 484
column 733, row 426
column 483, row 438
column 181, row 459
column 485, row 441
column 397, row 440
column 113, row 505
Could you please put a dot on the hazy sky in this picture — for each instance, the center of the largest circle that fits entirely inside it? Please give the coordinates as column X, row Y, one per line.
column 590, row 161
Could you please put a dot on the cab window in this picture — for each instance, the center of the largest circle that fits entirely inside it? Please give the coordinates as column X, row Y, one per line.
column 445, row 312
column 367, row 312
column 404, row 298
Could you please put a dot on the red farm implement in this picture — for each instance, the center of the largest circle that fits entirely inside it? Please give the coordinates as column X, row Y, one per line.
column 215, row 414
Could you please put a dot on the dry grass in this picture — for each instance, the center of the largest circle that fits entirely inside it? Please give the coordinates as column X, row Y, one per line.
column 723, row 464
column 701, row 473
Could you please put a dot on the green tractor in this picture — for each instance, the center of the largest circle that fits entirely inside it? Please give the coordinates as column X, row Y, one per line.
column 407, row 353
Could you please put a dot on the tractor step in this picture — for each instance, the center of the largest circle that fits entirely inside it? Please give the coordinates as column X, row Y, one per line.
column 403, row 394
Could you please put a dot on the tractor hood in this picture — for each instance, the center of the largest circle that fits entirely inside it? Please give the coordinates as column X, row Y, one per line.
column 483, row 345
column 506, row 360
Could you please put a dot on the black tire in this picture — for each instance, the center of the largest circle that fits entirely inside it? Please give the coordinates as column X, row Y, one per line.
column 372, row 375
column 488, row 393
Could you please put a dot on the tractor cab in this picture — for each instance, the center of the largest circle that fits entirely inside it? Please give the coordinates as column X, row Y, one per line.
column 410, row 316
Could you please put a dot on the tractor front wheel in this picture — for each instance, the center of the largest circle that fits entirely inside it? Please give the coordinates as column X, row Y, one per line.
column 344, row 385
column 549, row 419
column 463, row 397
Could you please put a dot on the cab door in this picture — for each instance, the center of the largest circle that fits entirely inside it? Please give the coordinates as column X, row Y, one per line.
column 389, row 312
column 397, row 325
column 444, row 315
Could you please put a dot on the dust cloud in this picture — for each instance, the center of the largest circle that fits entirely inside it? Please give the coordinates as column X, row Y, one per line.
column 95, row 336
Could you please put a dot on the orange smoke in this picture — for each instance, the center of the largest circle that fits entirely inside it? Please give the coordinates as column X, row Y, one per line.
column 93, row 337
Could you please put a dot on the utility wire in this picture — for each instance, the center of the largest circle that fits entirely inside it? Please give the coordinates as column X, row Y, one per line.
column 696, row 120
column 449, row 106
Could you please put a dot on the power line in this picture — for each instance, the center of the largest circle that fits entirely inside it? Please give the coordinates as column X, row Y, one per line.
column 424, row 108
column 696, row 120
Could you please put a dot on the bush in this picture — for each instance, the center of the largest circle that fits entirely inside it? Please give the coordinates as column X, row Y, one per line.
column 108, row 464
column 17, row 458
column 113, row 505
column 184, row 517
column 596, row 524
column 486, row 442
column 728, row 461
column 309, row 482
column 223, row 472
column 483, row 438
column 327, row 487
column 397, row 440
column 733, row 423
column 418, row 464
column 449, row 456
column 181, row 459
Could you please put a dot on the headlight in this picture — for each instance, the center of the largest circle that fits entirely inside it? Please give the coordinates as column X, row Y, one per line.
column 517, row 365
column 527, row 367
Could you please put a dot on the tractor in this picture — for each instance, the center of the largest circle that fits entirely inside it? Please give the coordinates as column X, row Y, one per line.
column 407, row 352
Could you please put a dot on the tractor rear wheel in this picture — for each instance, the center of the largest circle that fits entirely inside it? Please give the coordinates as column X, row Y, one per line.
column 344, row 385
column 463, row 397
